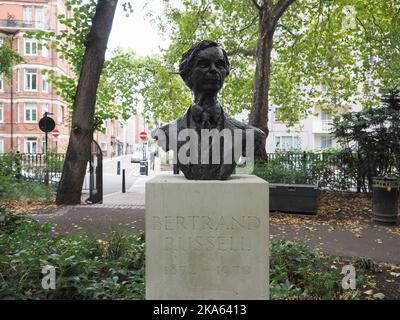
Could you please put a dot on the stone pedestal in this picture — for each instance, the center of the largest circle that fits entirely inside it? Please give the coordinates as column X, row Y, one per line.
column 207, row 239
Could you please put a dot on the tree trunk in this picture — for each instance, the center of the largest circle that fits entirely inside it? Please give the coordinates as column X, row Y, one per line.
column 259, row 111
column 78, row 152
column 269, row 16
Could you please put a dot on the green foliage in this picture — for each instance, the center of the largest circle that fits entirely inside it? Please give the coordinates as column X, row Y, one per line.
column 16, row 170
column 116, row 94
column 8, row 58
column 316, row 43
column 226, row 22
column 118, row 91
column 366, row 264
column 114, row 268
column 163, row 91
column 307, row 167
column 85, row 268
column 13, row 189
column 9, row 222
column 10, row 164
column 299, row 272
column 370, row 140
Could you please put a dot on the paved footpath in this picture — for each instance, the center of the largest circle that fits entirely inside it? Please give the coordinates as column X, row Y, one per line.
column 376, row 242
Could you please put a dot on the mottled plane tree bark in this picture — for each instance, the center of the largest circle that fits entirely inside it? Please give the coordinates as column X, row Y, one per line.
column 78, row 152
column 269, row 15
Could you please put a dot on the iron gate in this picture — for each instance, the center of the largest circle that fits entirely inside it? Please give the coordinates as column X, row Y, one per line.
column 95, row 174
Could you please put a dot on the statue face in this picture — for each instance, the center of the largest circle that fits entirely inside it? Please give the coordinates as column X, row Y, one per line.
column 209, row 71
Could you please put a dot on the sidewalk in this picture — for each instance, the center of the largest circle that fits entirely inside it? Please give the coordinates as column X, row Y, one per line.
column 379, row 243
column 135, row 195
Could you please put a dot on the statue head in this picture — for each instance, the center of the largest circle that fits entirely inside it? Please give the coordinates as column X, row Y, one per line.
column 204, row 67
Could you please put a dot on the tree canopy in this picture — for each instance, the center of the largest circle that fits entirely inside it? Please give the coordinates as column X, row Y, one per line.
column 8, row 57
column 345, row 46
column 118, row 83
column 370, row 139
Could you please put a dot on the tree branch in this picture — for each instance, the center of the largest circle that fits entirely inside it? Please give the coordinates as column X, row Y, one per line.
column 244, row 52
column 252, row 22
column 280, row 9
column 256, row 4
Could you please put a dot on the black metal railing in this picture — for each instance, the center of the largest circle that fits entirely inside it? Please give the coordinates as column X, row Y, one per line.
column 327, row 170
column 36, row 167
column 21, row 24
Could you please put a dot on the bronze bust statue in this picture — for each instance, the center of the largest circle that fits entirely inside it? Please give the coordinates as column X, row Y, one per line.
column 204, row 68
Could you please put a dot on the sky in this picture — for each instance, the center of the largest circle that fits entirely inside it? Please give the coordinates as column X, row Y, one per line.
column 136, row 31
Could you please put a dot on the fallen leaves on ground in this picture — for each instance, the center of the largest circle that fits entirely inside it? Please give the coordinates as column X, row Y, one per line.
column 337, row 210
column 30, row 206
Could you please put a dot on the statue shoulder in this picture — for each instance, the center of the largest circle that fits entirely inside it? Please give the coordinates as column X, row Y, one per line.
column 236, row 124
column 168, row 131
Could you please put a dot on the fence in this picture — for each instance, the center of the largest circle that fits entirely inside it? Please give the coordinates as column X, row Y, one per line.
column 327, row 170
column 36, row 167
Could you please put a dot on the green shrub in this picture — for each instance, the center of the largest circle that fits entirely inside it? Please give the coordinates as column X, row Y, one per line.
column 307, row 167
column 10, row 164
column 114, row 268
column 85, row 268
column 9, row 222
column 297, row 271
column 13, row 189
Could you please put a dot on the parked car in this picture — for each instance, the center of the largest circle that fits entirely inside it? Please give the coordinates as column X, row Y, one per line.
column 137, row 155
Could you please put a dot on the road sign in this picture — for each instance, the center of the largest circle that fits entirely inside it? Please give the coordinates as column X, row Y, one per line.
column 55, row 133
column 143, row 135
column 47, row 124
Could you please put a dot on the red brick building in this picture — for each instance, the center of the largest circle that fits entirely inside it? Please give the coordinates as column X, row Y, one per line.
column 24, row 100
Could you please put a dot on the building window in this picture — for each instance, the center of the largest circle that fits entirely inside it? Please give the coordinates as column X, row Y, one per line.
column 30, row 112
column 1, row 112
column 31, row 47
column 287, row 143
column 325, row 116
column 326, row 142
column 27, row 16
column 1, row 76
column 103, row 146
column 59, row 115
column 30, row 79
column 1, row 145
column 45, row 108
column 45, row 50
column 31, row 145
column 45, row 83
column 40, row 17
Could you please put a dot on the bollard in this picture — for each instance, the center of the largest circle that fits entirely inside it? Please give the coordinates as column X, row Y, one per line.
column 123, row 181
column 118, row 167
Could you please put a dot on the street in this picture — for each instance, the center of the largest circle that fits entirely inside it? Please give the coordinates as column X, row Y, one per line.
column 112, row 182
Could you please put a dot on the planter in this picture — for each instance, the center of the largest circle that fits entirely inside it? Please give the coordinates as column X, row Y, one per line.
column 294, row 198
